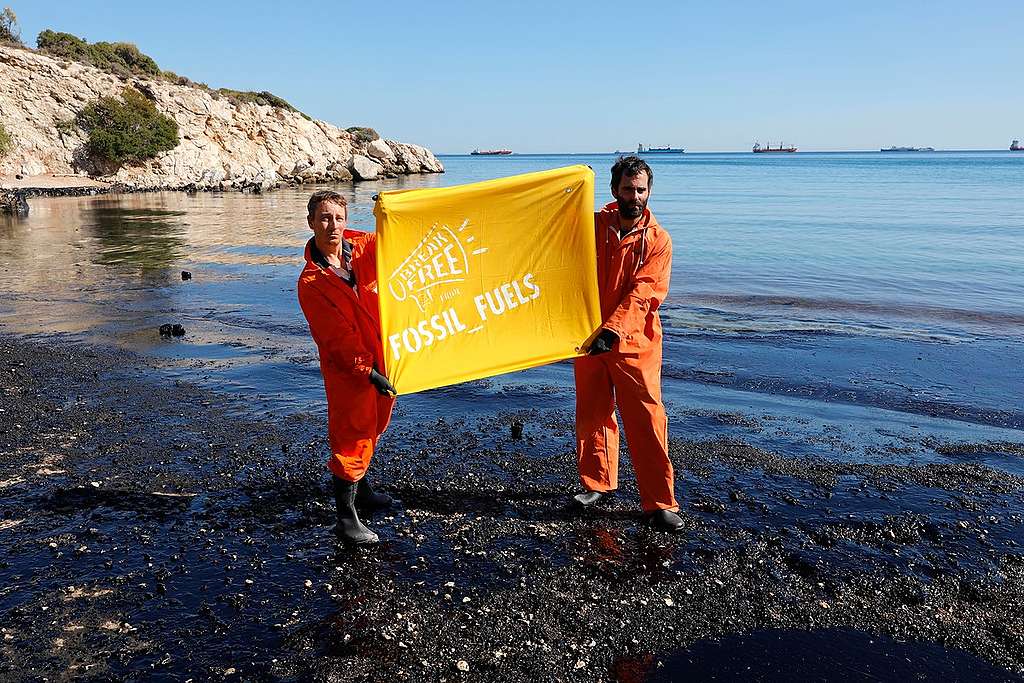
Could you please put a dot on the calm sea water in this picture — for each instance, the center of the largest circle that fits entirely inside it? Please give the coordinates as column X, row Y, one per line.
column 880, row 295
column 919, row 243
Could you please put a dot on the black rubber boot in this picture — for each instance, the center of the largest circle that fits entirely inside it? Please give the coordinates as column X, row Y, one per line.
column 349, row 528
column 665, row 520
column 589, row 499
column 369, row 500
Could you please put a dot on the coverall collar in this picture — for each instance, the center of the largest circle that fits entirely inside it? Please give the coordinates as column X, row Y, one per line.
column 316, row 256
column 313, row 253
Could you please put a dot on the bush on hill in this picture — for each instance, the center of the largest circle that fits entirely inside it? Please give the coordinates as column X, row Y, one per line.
column 66, row 126
column 181, row 80
column 236, row 97
column 363, row 134
column 6, row 144
column 127, row 130
column 263, row 97
column 10, row 34
column 123, row 59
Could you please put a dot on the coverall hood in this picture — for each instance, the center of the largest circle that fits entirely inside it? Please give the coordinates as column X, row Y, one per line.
column 610, row 213
column 633, row 276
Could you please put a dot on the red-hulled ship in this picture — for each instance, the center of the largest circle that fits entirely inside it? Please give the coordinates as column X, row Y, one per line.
column 758, row 149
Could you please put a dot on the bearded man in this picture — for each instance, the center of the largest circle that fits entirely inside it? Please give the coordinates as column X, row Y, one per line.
column 623, row 365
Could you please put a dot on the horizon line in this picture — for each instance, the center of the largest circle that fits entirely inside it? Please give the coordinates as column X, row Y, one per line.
column 799, row 151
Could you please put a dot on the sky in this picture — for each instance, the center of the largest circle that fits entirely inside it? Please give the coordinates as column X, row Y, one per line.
column 567, row 76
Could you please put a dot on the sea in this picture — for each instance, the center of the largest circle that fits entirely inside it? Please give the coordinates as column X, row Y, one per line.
column 864, row 306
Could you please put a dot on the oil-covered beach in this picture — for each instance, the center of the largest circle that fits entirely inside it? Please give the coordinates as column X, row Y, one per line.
column 843, row 372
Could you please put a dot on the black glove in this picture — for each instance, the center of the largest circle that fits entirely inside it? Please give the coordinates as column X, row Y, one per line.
column 603, row 342
column 381, row 383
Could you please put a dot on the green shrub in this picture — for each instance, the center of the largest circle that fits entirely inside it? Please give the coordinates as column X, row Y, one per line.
column 10, row 34
column 263, row 97
column 6, row 144
column 124, row 59
column 127, row 130
column 66, row 126
column 362, row 134
column 175, row 78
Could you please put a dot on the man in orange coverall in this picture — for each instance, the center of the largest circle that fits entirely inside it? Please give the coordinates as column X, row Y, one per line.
column 338, row 294
column 623, row 365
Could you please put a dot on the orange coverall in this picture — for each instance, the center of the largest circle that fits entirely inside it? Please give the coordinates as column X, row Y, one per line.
column 633, row 276
column 346, row 328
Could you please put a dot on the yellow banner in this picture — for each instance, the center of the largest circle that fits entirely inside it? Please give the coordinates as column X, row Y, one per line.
column 482, row 279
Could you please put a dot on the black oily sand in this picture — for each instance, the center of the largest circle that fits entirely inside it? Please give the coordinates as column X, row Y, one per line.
column 151, row 529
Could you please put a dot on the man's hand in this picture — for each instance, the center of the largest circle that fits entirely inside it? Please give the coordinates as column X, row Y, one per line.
column 381, row 384
column 603, row 342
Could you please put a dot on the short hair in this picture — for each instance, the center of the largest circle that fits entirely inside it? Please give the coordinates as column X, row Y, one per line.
column 321, row 196
column 631, row 166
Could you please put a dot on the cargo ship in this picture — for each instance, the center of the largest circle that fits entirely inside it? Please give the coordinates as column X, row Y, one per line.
column 907, row 149
column 640, row 149
column 1016, row 147
column 758, row 149
column 490, row 152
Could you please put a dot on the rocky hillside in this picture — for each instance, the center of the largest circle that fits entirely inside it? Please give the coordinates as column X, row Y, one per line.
column 222, row 144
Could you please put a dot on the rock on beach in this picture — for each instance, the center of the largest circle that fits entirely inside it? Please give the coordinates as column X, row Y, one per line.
column 365, row 168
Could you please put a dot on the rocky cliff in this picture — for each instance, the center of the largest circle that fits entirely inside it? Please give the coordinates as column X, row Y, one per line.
column 222, row 144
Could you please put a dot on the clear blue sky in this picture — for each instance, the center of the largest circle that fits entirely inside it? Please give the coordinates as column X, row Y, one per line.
column 593, row 76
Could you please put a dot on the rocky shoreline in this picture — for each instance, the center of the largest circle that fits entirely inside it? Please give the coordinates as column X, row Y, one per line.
column 223, row 144
column 15, row 200
column 153, row 528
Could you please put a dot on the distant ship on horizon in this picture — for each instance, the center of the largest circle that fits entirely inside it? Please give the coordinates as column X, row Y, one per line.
column 1016, row 147
column 907, row 149
column 490, row 152
column 758, row 149
column 640, row 149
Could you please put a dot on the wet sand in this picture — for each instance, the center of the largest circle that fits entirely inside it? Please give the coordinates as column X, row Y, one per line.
column 153, row 529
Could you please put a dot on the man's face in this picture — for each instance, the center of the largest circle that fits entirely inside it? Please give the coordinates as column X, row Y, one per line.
column 632, row 195
column 328, row 223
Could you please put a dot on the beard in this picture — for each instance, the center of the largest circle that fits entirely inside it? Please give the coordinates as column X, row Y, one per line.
column 631, row 209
